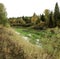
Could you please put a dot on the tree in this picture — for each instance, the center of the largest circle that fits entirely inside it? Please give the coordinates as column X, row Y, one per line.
column 43, row 18
column 34, row 19
column 20, row 20
column 27, row 19
column 3, row 15
column 56, row 13
column 47, row 12
column 51, row 20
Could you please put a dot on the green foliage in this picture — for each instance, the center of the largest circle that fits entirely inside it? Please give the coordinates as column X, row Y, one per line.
column 3, row 15
column 46, row 20
column 51, row 20
column 27, row 19
column 43, row 18
column 56, row 13
column 47, row 12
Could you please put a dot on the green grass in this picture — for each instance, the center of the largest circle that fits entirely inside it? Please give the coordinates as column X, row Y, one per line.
column 35, row 34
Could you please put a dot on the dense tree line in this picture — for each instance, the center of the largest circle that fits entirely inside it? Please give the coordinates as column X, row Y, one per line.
column 48, row 19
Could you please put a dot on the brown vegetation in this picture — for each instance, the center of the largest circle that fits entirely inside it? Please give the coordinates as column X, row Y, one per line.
column 12, row 46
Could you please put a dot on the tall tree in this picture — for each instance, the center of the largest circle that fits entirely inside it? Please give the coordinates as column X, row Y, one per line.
column 47, row 12
column 3, row 15
column 56, row 13
column 34, row 19
column 51, row 20
column 43, row 18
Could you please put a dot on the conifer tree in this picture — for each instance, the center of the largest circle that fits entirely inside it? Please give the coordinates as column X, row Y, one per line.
column 56, row 13
column 51, row 20
column 43, row 18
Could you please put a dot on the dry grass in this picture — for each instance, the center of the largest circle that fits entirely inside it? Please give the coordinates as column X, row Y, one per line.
column 13, row 46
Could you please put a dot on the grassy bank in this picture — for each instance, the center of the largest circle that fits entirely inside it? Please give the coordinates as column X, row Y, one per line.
column 13, row 46
column 48, row 39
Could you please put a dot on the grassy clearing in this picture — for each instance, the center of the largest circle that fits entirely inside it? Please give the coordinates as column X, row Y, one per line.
column 49, row 39
column 36, row 34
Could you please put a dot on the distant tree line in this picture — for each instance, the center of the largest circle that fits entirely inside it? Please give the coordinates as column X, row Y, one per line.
column 48, row 19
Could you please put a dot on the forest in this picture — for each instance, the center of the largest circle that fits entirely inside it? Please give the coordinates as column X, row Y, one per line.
column 49, row 19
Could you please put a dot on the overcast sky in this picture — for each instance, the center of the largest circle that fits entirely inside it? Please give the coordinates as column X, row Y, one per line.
column 17, row 8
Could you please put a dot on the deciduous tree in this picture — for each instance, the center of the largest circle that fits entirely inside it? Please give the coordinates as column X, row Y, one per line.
column 3, row 15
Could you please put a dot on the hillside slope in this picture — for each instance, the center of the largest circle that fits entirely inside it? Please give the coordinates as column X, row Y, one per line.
column 13, row 46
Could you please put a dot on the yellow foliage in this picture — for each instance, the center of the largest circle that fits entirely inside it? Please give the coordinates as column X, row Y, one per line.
column 34, row 19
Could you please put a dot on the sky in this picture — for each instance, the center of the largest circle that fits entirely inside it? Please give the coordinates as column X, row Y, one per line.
column 17, row 8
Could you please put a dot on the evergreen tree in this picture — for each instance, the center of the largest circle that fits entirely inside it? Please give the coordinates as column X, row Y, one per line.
column 56, row 13
column 51, row 20
column 43, row 18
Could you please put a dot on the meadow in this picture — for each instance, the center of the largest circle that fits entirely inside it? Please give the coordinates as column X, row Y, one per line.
column 48, row 39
